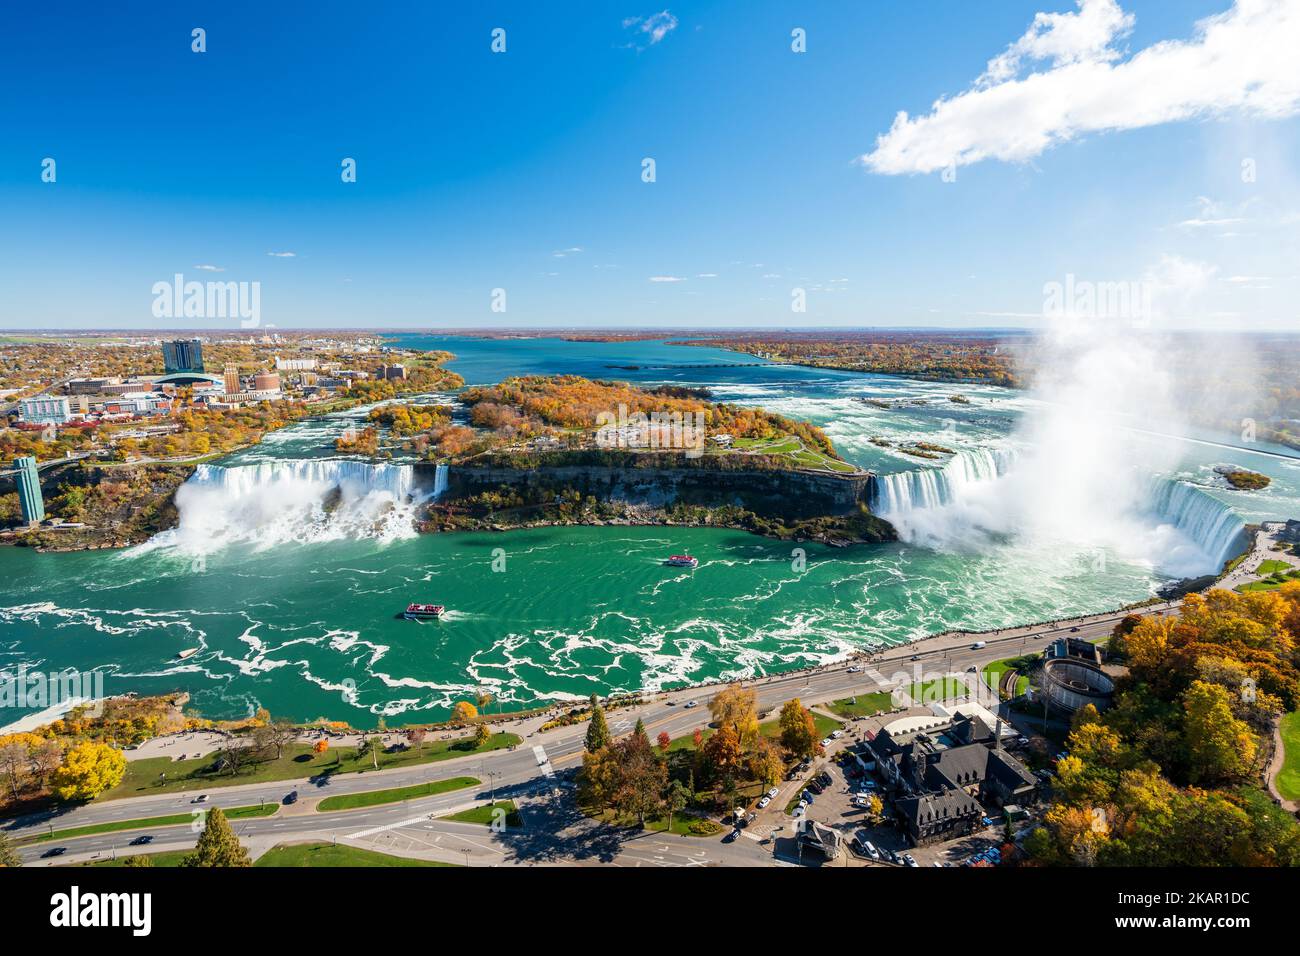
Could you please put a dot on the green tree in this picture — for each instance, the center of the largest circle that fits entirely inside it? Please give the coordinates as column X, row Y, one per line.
column 676, row 799
column 218, row 846
column 8, row 855
column 1219, row 746
column 598, row 735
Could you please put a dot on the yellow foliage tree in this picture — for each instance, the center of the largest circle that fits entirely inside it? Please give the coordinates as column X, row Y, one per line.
column 88, row 769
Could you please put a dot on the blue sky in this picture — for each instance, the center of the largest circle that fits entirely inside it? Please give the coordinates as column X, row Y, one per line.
column 523, row 170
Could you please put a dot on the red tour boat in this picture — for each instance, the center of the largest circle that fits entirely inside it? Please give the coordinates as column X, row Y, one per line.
column 682, row 561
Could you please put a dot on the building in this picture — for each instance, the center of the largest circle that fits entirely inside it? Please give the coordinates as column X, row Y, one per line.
column 392, row 372
column 231, row 376
column 295, row 365
column 45, row 409
column 183, row 355
column 29, row 490
column 944, row 773
column 266, row 382
column 1070, row 683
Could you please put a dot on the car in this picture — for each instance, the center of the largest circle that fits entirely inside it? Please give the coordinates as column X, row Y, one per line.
column 1074, row 630
column 142, row 840
column 692, row 703
column 54, row 851
column 915, row 657
column 201, row 798
column 807, row 795
column 987, row 821
column 291, row 797
column 762, row 804
column 803, row 805
column 972, row 669
column 893, row 857
column 1022, row 741
column 824, row 779
column 872, row 851
column 979, row 645
column 855, row 670
column 731, row 836
column 826, row 741
column 836, row 734
column 908, row 860
column 773, row 792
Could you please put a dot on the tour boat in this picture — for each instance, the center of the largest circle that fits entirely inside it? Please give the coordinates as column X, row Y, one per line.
column 420, row 612
column 682, row 561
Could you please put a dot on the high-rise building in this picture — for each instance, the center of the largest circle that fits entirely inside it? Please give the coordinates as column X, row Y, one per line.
column 29, row 490
column 231, row 378
column 183, row 355
column 45, row 409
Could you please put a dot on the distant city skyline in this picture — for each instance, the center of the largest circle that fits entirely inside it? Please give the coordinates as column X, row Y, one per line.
column 929, row 165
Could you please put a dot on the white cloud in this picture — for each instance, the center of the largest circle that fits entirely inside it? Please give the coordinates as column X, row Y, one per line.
column 1200, row 223
column 571, row 251
column 707, row 275
column 282, row 255
column 667, row 279
column 652, row 28
column 207, row 268
column 1241, row 61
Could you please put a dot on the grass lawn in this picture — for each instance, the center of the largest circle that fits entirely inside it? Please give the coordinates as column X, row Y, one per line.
column 143, row 776
column 864, row 705
column 486, row 814
column 993, row 671
column 370, row 798
column 330, row 854
column 1288, row 778
column 1274, row 580
column 176, row 819
column 683, row 824
column 1272, row 565
column 939, row 689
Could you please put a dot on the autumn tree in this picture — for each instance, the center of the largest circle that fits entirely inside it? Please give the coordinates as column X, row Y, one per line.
column 664, row 741
column 798, row 729
column 463, row 712
column 88, row 769
column 737, row 708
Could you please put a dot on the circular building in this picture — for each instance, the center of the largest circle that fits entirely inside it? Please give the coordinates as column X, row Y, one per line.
column 1072, row 684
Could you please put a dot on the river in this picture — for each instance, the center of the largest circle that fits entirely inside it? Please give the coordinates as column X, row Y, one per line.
column 295, row 607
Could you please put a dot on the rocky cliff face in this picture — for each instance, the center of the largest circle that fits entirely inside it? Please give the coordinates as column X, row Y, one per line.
column 795, row 495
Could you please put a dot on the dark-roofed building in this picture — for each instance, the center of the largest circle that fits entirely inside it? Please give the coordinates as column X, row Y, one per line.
column 945, row 772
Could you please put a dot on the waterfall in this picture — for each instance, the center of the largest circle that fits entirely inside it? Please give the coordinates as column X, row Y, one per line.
column 924, row 488
column 293, row 500
column 439, row 481
column 1198, row 516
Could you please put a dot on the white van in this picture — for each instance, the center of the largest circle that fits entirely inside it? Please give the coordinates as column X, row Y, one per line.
column 978, row 644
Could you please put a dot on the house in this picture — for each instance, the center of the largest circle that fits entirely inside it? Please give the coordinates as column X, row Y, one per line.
column 945, row 773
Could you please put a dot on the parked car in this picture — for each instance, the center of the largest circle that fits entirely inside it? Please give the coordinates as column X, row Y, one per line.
column 826, row 742
column 894, row 857
column 907, row 859
column 762, row 804
column 872, row 851
column 773, row 792
column 836, row 734
column 987, row 821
